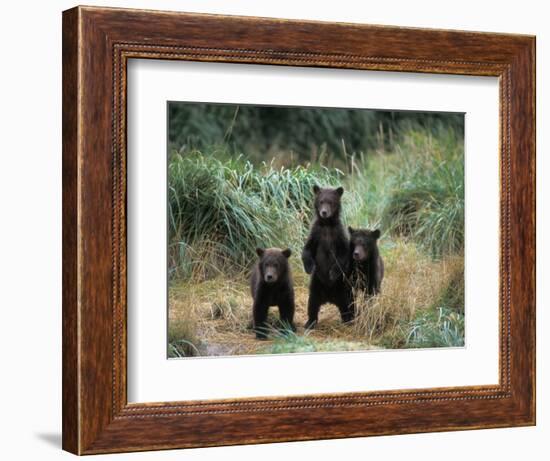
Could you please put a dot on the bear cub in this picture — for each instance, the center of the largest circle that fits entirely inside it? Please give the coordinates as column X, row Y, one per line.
column 326, row 257
column 271, row 285
column 367, row 264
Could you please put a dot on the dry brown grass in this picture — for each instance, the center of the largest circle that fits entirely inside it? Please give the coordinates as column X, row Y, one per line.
column 413, row 283
column 215, row 315
column 183, row 340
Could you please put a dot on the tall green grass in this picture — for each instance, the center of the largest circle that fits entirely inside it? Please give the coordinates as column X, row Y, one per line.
column 220, row 210
column 222, row 207
column 427, row 198
column 416, row 190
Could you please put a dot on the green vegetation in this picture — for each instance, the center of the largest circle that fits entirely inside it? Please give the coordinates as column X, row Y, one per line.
column 289, row 343
column 221, row 210
column 438, row 327
column 416, row 190
column 402, row 173
column 301, row 134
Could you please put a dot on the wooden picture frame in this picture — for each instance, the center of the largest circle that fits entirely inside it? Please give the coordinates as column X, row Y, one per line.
column 97, row 43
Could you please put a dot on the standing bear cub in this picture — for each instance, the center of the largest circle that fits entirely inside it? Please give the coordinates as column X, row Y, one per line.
column 367, row 267
column 326, row 257
column 271, row 285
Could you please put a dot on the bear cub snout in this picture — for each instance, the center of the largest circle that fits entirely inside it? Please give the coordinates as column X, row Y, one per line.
column 271, row 285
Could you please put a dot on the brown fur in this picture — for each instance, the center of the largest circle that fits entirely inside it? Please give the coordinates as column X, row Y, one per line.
column 367, row 269
column 271, row 285
column 326, row 257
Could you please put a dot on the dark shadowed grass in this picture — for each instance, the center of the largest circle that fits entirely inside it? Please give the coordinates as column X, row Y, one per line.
column 301, row 134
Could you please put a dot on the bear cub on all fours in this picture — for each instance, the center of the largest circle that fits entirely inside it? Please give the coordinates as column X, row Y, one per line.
column 326, row 257
column 271, row 285
column 367, row 269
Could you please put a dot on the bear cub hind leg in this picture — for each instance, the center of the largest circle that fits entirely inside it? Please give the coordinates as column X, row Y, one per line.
column 315, row 301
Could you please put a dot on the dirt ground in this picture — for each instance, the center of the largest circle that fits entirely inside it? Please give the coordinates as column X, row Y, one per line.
column 214, row 317
column 222, row 315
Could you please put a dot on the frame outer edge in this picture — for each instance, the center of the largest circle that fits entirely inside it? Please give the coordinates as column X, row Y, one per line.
column 531, row 142
column 70, row 178
column 90, row 420
column 523, row 236
column 533, row 51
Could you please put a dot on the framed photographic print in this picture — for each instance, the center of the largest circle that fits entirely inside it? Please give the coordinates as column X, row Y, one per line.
column 284, row 230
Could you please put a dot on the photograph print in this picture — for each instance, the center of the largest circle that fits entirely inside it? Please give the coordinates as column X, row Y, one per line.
column 305, row 229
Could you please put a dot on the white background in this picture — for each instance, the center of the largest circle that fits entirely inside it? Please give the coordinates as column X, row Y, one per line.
column 152, row 378
column 30, row 235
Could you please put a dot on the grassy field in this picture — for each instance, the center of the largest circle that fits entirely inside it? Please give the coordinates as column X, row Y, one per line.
column 222, row 206
column 421, row 306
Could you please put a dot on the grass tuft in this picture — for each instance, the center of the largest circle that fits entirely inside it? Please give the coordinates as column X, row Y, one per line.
column 182, row 334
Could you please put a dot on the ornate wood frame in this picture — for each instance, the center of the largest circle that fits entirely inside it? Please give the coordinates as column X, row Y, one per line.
column 97, row 43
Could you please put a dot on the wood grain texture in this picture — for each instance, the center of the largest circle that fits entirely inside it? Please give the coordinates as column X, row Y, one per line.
column 97, row 43
column 70, row 384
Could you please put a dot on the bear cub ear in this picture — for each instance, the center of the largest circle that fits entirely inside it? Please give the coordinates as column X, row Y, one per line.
column 376, row 233
column 287, row 253
column 340, row 191
column 260, row 252
column 316, row 189
column 351, row 230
